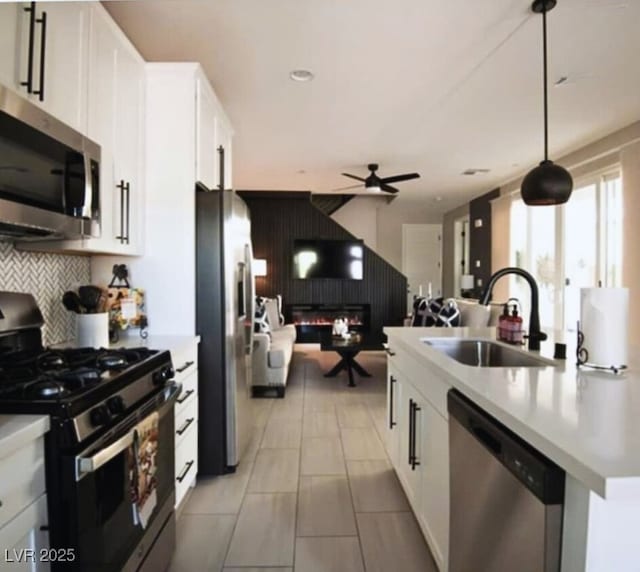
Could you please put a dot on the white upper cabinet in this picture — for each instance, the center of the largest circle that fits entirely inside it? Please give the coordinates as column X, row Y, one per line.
column 213, row 139
column 116, row 100
column 206, row 135
column 10, row 29
column 64, row 78
column 43, row 56
column 115, row 120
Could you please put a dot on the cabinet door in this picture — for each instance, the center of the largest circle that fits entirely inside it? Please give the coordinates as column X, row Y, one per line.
column 410, row 423
column 206, row 135
column 22, row 539
column 434, row 463
column 11, row 31
column 128, row 150
column 102, row 114
column 65, row 61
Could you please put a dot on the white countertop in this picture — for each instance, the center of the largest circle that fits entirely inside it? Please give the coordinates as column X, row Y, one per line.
column 18, row 430
column 587, row 422
column 154, row 342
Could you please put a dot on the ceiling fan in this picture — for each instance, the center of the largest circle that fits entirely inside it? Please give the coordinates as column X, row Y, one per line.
column 375, row 183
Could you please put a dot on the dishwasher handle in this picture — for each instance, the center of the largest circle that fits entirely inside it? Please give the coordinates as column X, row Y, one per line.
column 486, row 438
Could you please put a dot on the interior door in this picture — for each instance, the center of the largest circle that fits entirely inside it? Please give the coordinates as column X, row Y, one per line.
column 422, row 259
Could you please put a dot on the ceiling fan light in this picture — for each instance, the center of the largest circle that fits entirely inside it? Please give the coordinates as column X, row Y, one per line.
column 547, row 184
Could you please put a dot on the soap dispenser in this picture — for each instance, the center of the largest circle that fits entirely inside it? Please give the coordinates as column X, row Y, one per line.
column 503, row 324
column 517, row 334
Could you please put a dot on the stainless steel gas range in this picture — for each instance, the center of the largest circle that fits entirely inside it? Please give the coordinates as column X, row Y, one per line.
column 97, row 400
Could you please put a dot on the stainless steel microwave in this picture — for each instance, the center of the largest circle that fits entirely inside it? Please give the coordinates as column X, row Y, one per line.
column 49, row 175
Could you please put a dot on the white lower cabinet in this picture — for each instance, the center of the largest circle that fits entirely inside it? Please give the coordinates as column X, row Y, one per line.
column 418, row 446
column 24, row 539
column 185, row 362
column 434, row 466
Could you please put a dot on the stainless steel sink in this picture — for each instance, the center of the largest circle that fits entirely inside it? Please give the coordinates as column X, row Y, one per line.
column 485, row 353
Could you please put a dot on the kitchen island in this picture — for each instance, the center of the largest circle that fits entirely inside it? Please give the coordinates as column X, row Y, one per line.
column 587, row 422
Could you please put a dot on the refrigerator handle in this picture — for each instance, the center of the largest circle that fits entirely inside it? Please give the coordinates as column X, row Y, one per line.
column 250, row 293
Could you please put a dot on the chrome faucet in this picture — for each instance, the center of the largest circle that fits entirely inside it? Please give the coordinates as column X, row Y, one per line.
column 535, row 335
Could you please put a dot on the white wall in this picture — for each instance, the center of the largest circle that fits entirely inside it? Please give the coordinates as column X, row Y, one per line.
column 390, row 220
column 360, row 217
column 379, row 223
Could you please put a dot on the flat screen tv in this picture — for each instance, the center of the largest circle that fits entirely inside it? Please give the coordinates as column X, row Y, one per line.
column 343, row 259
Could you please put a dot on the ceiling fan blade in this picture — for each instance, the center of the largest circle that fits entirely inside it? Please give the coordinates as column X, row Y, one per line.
column 399, row 178
column 388, row 188
column 354, row 177
column 346, row 188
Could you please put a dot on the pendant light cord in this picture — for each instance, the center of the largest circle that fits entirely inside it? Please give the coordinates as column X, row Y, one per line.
column 544, row 73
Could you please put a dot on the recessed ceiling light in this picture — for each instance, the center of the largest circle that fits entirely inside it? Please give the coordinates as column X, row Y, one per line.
column 301, row 172
column 301, row 75
column 475, row 171
column 438, row 199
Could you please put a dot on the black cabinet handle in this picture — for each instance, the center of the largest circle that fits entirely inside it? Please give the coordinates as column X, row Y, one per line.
column 392, row 423
column 410, row 430
column 43, row 50
column 185, row 396
column 414, row 456
column 32, row 29
column 127, row 189
column 221, row 167
column 121, row 187
column 185, row 425
column 186, row 365
column 184, row 472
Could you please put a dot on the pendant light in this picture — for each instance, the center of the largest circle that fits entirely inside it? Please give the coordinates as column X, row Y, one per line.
column 548, row 183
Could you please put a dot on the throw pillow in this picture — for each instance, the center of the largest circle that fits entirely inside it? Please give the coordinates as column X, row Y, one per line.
column 421, row 313
column 261, row 319
column 449, row 314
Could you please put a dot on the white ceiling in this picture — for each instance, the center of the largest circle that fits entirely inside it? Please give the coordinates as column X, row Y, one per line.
column 415, row 85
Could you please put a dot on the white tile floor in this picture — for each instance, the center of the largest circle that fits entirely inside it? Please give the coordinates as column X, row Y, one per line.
column 315, row 491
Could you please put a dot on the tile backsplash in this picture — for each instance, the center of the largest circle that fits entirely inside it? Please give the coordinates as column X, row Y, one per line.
column 46, row 276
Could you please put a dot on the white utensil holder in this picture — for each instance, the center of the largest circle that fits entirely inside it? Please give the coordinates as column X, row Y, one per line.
column 92, row 330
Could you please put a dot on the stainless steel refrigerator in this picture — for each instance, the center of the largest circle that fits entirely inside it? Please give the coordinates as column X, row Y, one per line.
column 224, row 322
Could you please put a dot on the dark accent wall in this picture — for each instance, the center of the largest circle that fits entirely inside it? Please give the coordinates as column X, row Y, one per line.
column 480, row 239
column 277, row 219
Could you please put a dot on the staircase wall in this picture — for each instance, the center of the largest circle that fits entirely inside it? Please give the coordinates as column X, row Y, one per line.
column 277, row 219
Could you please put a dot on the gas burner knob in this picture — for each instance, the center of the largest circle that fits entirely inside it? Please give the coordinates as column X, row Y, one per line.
column 116, row 404
column 100, row 415
column 164, row 374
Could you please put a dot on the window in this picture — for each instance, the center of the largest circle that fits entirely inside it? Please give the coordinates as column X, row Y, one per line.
column 573, row 246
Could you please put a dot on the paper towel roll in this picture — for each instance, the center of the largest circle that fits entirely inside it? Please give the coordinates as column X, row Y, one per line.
column 604, row 321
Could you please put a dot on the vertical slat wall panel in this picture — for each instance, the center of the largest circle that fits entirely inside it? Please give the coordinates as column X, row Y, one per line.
column 480, row 239
column 277, row 219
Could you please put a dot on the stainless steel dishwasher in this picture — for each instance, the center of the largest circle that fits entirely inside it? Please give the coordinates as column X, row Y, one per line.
column 506, row 497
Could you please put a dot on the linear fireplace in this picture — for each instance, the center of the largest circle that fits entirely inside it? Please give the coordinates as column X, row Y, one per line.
column 311, row 319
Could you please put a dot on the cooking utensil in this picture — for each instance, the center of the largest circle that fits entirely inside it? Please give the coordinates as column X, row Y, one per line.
column 90, row 297
column 71, row 302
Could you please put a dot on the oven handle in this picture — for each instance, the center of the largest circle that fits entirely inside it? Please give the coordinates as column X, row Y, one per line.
column 86, row 465
column 90, row 464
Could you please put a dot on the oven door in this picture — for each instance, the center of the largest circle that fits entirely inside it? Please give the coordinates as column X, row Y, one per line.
column 102, row 525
